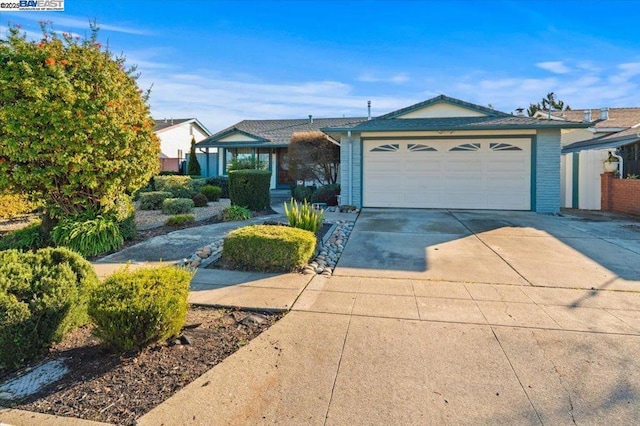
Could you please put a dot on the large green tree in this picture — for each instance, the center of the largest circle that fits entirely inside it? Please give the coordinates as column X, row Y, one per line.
column 75, row 128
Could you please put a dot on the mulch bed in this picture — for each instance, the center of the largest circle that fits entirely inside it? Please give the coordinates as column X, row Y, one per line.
column 119, row 388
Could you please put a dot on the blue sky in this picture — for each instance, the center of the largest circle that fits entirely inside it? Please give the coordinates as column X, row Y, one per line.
column 224, row 61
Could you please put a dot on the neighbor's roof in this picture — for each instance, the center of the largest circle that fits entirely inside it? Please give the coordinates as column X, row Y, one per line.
column 167, row 123
column 618, row 117
column 272, row 133
column 613, row 140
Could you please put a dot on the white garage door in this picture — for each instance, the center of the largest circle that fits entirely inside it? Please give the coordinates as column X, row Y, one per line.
column 459, row 174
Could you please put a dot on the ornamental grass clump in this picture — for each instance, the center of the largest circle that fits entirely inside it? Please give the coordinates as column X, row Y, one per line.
column 303, row 216
column 132, row 310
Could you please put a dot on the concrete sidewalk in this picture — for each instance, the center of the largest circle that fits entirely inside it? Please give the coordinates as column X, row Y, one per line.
column 383, row 351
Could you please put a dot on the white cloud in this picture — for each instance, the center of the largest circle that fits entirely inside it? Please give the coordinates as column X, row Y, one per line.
column 556, row 67
column 398, row 78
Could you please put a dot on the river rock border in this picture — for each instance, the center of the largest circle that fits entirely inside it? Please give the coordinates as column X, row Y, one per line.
column 323, row 263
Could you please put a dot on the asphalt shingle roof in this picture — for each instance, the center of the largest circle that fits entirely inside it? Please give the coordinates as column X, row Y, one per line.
column 618, row 117
column 278, row 132
column 457, row 123
column 168, row 122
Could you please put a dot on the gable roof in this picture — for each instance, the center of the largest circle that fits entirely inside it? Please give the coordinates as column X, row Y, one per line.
column 272, row 133
column 491, row 120
column 168, row 123
column 444, row 99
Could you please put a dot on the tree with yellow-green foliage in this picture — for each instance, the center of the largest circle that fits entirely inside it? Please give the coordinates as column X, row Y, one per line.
column 75, row 128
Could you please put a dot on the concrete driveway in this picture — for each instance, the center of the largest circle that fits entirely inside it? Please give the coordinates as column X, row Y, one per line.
column 519, row 248
column 446, row 317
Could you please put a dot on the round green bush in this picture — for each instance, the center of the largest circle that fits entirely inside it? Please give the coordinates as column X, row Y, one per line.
column 134, row 309
column 200, row 200
column 302, row 193
column 212, row 193
column 152, row 200
column 178, row 186
column 43, row 295
column 222, row 182
column 268, row 248
column 326, row 194
column 177, row 205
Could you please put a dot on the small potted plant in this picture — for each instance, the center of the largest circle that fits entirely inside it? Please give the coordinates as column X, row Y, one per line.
column 611, row 163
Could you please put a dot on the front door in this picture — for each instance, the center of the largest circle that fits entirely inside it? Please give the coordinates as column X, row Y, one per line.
column 283, row 179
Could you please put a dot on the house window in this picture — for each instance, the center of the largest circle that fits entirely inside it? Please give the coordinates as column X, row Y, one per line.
column 503, row 147
column 263, row 155
column 392, row 147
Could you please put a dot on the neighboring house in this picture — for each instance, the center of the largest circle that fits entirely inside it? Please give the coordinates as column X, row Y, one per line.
column 175, row 140
column 267, row 140
column 615, row 130
column 447, row 153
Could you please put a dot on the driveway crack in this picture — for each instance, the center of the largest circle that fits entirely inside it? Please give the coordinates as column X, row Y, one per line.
column 555, row 368
column 517, row 377
column 335, row 379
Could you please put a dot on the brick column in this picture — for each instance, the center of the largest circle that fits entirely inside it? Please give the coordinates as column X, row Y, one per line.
column 606, row 196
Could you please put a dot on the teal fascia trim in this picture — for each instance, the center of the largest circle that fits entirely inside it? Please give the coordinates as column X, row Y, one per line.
column 534, row 172
column 575, row 181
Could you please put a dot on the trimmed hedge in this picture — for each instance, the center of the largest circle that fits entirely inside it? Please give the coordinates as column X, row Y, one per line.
column 177, row 205
column 213, row 193
column 250, row 188
column 268, row 248
column 43, row 295
column 134, row 309
column 152, row 200
column 222, row 182
column 326, row 194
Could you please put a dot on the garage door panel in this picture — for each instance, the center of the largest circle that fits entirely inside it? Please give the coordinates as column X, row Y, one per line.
column 487, row 175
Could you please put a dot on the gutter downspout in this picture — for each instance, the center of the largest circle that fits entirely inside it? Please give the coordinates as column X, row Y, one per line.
column 620, row 161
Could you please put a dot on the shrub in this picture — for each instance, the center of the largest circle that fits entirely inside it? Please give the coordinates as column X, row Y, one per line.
column 168, row 173
column 124, row 213
column 222, row 182
column 197, row 184
column 200, row 200
column 212, row 192
column 326, row 194
column 303, row 193
column 178, row 186
column 43, row 295
column 303, row 216
column 193, row 167
column 27, row 238
column 250, row 188
column 177, row 205
column 153, row 200
column 180, row 219
column 134, row 309
column 236, row 213
column 12, row 205
column 89, row 236
column 268, row 248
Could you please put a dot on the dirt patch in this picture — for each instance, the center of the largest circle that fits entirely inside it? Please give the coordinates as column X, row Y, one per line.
column 119, row 388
